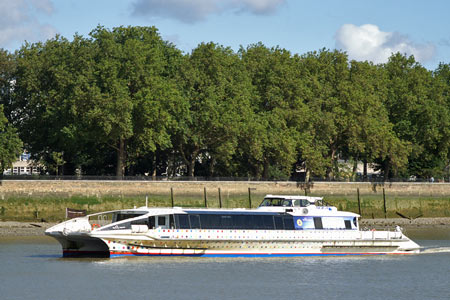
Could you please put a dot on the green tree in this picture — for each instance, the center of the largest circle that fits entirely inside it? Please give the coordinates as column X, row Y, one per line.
column 216, row 90
column 133, row 91
column 7, row 69
column 44, row 108
column 10, row 143
column 275, row 131
column 419, row 113
column 368, row 133
column 326, row 78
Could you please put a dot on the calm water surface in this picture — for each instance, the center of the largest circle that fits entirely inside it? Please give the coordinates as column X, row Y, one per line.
column 32, row 268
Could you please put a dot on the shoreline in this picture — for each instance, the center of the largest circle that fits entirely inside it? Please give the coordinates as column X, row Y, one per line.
column 14, row 228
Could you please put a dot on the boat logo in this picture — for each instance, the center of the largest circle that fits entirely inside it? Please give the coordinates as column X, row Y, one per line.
column 299, row 222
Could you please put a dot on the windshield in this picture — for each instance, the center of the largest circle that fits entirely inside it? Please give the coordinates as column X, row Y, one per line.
column 276, row 202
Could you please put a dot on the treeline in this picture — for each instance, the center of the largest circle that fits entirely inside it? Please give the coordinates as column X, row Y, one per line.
column 126, row 102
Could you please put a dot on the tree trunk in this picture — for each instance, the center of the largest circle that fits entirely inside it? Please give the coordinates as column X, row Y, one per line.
column 191, row 166
column 386, row 169
column 331, row 170
column 154, row 166
column 307, row 175
column 190, row 161
column 120, row 170
column 365, row 170
column 355, row 169
column 211, row 166
column 265, row 174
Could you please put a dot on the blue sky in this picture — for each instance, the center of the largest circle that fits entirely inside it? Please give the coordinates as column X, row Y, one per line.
column 366, row 30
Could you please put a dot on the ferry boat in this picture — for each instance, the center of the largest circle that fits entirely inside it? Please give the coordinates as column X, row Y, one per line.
column 281, row 226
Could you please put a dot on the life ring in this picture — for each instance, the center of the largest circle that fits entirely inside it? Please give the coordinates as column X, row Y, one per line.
column 95, row 226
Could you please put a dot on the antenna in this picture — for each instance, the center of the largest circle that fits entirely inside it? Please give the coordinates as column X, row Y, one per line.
column 146, row 201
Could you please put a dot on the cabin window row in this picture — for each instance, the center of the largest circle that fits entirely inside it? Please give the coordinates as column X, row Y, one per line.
column 235, row 221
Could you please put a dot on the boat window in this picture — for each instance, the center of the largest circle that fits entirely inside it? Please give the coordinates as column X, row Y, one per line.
column 161, row 220
column 124, row 216
column 171, row 221
column 195, row 221
column 304, row 203
column 242, row 222
column 318, row 223
column 275, row 202
column 288, row 222
column 182, row 221
column 226, row 222
column 266, row 202
column 233, row 221
column 348, row 224
column 268, row 222
column 286, row 203
column 278, row 220
column 263, row 222
column 151, row 222
column 143, row 221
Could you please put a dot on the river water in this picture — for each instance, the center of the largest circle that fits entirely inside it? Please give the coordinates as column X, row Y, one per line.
column 32, row 268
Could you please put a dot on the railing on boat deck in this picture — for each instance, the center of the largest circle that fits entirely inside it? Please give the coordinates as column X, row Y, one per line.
column 381, row 234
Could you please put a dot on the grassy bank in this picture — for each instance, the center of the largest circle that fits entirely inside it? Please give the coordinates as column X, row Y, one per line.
column 51, row 207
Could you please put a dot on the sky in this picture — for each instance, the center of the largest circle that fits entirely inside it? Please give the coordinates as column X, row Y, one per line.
column 365, row 29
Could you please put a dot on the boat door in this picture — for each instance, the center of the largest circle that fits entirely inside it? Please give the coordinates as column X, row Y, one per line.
column 162, row 222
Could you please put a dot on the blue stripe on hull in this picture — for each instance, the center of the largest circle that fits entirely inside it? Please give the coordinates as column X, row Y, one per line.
column 252, row 254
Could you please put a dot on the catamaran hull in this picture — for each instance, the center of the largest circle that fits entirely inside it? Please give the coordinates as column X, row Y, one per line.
column 81, row 245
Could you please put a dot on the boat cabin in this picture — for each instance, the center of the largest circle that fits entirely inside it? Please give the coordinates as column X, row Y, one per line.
column 292, row 201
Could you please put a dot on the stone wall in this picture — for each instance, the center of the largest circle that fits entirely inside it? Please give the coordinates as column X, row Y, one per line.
column 18, row 188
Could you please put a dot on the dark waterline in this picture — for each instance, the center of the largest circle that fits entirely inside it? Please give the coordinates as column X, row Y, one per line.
column 32, row 268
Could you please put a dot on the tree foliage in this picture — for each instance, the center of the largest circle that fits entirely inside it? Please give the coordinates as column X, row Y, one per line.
column 10, row 144
column 124, row 101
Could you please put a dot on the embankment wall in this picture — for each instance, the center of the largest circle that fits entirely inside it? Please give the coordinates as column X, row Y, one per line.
column 64, row 188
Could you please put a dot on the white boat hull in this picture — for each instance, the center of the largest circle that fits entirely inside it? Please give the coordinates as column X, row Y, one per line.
column 235, row 243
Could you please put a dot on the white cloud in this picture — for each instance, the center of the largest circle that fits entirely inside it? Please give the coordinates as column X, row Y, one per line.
column 18, row 21
column 191, row 11
column 368, row 42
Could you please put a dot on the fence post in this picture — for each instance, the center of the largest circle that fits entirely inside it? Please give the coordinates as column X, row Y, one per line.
column 171, row 195
column 220, row 199
column 384, row 203
column 206, row 199
column 359, row 203
column 250, row 196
